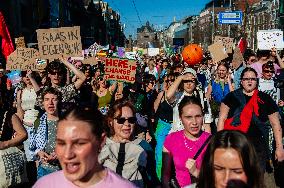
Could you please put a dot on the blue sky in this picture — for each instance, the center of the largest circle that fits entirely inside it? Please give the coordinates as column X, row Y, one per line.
column 158, row 12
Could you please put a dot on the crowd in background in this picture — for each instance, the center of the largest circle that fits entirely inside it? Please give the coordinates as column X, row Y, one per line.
column 206, row 125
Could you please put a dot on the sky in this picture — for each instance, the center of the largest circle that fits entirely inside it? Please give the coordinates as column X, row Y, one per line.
column 160, row 13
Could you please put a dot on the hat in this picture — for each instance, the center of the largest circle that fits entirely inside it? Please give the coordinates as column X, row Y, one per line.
column 189, row 70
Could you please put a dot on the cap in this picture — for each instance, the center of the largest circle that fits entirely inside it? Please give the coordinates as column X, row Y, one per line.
column 189, row 70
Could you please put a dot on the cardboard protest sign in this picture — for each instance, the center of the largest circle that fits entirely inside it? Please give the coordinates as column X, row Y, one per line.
column 268, row 39
column 238, row 58
column 120, row 69
column 55, row 42
column 20, row 42
column 153, row 51
column 217, row 51
column 90, row 60
column 227, row 43
column 23, row 59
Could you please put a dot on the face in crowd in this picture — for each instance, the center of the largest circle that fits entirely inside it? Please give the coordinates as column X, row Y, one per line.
column 222, row 71
column 251, row 60
column 25, row 78
column 249, row 80
column 55, row 77
column 189, row 85
column 51, row 99
column 268, row 70
column 191, row 116
column 122, row 121
column 79, row 140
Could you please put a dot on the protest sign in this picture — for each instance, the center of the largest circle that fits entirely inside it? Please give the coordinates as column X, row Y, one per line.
column 153, row 51
column 268, row 39
column 238, row 58
column 23, row 59
column 55, row 42
column 90, row 60
column 120, row 69
column 217, row 51
column 227, row 43
column 121, row 52
column 20, row 42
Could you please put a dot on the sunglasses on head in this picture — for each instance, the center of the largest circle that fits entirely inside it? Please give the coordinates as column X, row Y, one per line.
column 122, row 120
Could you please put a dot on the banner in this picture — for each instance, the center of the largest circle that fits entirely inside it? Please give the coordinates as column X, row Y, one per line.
column 120, row 69
column 23, row 59
column 54, row 42
column 7, row 44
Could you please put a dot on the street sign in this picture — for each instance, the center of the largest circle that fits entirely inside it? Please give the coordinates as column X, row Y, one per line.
column 234, row 17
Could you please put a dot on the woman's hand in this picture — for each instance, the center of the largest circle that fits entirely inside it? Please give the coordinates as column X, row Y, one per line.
column 44, row 157
column 190, row 164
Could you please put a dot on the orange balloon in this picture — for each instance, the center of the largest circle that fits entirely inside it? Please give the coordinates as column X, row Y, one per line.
column 192, row 54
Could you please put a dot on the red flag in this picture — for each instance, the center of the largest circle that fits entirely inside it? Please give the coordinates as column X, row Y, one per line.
column 242, row 45
column 7, row 44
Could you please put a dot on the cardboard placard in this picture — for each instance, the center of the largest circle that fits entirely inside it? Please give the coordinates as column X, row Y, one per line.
column 268, row 39
column 238, row 58
column 120, row 69
column 20, row 42
column 217, row 51
column 90, row 60
column 153, row 51
column 227, row 43
column 23, row 59
column 55, row 42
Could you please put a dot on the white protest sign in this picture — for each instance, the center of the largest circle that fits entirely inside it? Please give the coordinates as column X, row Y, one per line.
column 268, row 39
column 153, row 51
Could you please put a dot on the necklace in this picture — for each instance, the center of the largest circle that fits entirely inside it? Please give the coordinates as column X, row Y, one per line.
column 186, row 144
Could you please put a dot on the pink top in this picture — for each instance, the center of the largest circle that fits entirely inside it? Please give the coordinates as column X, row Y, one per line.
column 57, row 180
column 182, row 149
column 257, row 66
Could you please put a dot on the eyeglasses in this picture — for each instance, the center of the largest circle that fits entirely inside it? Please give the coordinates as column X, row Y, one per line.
column 249, row 79
column 122, row 120
column 189, row 81
column 268, row 71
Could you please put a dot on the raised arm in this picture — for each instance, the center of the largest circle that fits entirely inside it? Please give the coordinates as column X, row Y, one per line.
column 80, row 75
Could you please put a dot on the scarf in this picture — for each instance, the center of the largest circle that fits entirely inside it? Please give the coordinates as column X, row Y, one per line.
column 243, row 115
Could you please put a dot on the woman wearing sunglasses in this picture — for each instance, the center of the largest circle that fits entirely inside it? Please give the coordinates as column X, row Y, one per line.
column 128, row 156
column 57, row 78
column 163, row 120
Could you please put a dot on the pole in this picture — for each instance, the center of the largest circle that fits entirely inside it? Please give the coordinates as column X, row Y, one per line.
column 213, row 23
column 229, row 27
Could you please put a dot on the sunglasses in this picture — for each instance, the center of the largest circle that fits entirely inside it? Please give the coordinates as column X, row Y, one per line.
column 151, row 83
column 171, row 80
column 101, row 79
column 268, row 71
column 249, row 79
column 122, row 120
column 189, row 81
column 54, row 73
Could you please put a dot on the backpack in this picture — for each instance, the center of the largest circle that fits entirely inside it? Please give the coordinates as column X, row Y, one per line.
column 126, row 159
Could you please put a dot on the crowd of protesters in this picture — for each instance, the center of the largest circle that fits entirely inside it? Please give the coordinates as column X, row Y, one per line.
column 206, row 125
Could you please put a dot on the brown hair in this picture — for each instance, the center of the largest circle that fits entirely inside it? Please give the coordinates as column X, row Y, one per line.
column 115, row 112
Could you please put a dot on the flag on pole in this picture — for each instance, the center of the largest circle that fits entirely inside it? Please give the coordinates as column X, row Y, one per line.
column 242, row 44
column 7, row 44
